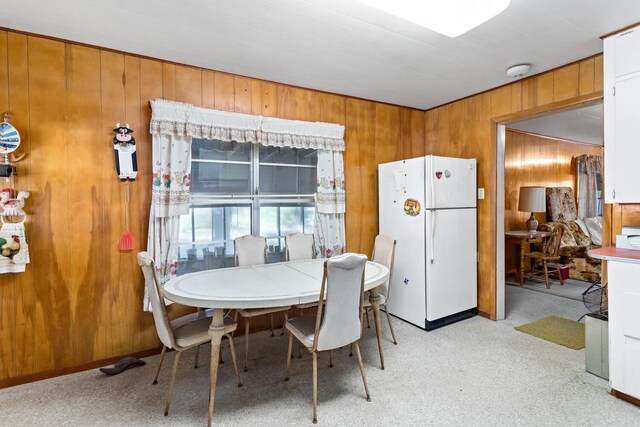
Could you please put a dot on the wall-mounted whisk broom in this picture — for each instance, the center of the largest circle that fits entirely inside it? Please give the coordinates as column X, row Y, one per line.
column 127, row 241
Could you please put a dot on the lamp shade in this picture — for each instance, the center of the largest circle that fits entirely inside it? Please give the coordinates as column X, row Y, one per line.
column 532, row 199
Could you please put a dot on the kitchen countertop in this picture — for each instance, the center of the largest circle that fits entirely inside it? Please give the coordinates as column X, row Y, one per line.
column 611, row 253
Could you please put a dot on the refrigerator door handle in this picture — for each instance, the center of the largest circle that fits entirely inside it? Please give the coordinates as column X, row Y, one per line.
column 433, row 187
column 433, row 234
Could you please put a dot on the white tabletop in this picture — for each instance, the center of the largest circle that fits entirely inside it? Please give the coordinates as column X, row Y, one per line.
column 260, row 286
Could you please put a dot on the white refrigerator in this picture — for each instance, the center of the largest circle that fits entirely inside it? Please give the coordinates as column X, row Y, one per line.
column 429, row 205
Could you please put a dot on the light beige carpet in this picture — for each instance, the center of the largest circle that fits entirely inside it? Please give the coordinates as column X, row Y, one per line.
column 558, row 330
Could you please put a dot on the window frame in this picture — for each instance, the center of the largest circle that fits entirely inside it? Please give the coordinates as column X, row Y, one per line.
column 254, row 200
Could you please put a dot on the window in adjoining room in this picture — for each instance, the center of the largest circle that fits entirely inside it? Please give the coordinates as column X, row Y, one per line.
column 241, row 188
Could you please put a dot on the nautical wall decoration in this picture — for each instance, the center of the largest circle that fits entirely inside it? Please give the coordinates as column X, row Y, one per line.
column 9, row 137
column 124, row 148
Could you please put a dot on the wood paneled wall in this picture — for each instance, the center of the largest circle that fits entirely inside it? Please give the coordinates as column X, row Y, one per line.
column 535, row 160
column 80, row 299
column 532, row 160
column 466, row 128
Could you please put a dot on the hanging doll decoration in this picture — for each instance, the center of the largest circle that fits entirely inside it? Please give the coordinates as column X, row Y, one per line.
column 124, row 147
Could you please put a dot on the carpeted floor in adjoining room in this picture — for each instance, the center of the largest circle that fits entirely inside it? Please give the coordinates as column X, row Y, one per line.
column 571, row 289
column 476, row 372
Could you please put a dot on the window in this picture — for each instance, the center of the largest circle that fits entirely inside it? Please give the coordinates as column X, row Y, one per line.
column 241, row 188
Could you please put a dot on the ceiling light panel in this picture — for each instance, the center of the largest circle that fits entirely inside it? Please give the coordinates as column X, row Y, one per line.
column 449, row 17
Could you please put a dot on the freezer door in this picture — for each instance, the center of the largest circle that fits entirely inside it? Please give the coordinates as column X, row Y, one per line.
column 402, row 183
column 450, row 182
column 451, row 262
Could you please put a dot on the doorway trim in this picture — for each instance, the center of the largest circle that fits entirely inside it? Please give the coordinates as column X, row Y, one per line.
column 499, row 125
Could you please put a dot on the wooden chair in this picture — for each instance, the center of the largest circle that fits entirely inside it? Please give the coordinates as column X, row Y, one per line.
column 252, row 250
column 540, row 260
column 343, row 284
column 183, row 333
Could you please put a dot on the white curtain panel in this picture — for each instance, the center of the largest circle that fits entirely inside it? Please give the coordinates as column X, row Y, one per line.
column 162, row 245
column 588, row 169
column 330, row 205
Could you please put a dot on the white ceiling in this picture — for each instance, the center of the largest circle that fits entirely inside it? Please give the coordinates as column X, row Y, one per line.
column 583, row 124
column 339, row 46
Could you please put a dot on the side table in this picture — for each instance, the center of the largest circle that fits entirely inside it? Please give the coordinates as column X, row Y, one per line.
column 524, row 239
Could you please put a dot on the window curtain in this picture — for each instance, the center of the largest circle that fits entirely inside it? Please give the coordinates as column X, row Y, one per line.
column 589, row 167
column 329, row 230
column 174, row 125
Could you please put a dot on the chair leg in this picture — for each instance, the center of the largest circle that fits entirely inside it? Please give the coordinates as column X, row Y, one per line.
column 233, row 359
column 546, row 274
column 246, row 343
column 559, row 274
column 272, row 333
column 364, row 378
column 331, row 358
column 164, row 350
column 173, row 380
column 315, row 387
column 366, row 312
column 195, row 362
column 393, row 335
column 289, row 350
column 351, row 350
column 286, row 319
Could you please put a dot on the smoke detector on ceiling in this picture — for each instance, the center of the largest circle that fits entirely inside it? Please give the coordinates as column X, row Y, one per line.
column 519, row 70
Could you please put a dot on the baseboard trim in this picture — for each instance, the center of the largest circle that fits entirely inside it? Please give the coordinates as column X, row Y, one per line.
column 483, row 314
column 625, row 397
column 24, row 379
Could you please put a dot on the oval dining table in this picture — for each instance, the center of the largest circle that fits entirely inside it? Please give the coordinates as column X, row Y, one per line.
column 261, row 286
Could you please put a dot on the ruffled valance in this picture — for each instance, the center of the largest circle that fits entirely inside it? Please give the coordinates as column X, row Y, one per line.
column 180, row 119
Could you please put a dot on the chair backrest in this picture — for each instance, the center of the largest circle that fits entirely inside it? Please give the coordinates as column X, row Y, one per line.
column 384, row 252
column 561, row 204
column 343, row 284
column 249, row 250
column 299, row 246
column 552, row 245
column 156, row 297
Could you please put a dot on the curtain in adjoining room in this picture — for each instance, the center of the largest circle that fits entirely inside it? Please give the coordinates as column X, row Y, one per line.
column 589, row 171
column 329, row 231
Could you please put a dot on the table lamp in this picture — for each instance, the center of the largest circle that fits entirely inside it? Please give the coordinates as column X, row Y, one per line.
column 532, row 199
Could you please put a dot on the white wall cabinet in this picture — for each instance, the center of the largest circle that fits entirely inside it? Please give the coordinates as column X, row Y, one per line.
column 622, row 117
column 624, row 327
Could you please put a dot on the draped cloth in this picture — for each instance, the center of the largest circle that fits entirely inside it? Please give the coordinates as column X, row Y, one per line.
column 329, row 230
column 589, row 167
column 173, row 127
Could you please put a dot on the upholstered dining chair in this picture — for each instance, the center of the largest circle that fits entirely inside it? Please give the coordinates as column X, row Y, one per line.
column 180, row 334
column 541, row 260
column 299, row 246
column 384, row 251
column 252, row 250
column 337, row 322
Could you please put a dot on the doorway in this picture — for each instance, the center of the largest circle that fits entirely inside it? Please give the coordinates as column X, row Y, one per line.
column 539, row 150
